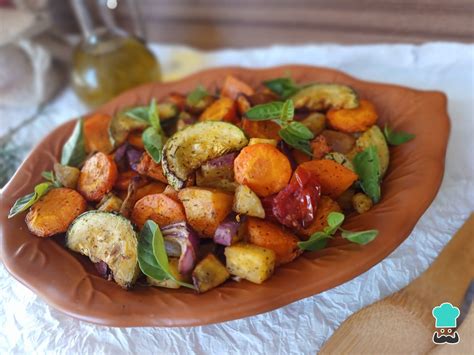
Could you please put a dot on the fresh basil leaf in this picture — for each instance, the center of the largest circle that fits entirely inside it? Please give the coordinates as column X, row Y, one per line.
column 317, row 241
column 300, row 130
column 263, row 112
column 74, row 150
column 139, row 113
column 49, row 176
column 23, row 203
column 362, row 237
column 287, row 112
column 396, row 138
column 335, row 220
column 153, row 143
column 295, row 141
column 154, row 117
column 283, row 87
column 367, row 166
column 196, row 95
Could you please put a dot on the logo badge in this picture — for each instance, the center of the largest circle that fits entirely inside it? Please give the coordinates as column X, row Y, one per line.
column 446, row 316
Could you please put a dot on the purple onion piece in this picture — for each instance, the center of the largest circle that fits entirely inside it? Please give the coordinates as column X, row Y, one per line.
column 120, row 156
column 285, row 149
column 226, row 160
column 103, row 270
column 133, row 156
column 183, row 242
column 230, row 230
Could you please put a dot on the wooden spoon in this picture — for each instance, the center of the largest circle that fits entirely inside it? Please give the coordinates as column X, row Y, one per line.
column 402, row 323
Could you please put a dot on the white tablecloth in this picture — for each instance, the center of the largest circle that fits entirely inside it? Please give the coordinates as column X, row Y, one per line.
column 29, row 325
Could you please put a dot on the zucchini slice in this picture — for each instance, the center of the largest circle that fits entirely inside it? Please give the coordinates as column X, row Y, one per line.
column 318, row 97
column 121, row 125
column 189, row 148
column 107, row 237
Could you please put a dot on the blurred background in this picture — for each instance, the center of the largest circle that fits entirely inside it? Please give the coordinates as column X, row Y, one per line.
column 60, row 59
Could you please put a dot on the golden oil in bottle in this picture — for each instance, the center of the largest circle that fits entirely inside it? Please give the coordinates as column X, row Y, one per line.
column 108, row 64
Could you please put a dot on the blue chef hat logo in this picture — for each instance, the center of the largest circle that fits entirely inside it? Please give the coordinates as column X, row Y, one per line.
column 446, row 315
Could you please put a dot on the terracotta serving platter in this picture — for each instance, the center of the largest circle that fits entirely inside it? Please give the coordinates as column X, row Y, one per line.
column 69, row 282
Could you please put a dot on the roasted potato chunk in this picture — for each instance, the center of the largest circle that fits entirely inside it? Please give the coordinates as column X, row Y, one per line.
column 209, row 273
column 247, row 202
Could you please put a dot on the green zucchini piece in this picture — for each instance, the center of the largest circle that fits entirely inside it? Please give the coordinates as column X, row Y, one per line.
column 189, row 148
column 107, row 237
column 318, row 97
column 374, row 137
column 122, row 124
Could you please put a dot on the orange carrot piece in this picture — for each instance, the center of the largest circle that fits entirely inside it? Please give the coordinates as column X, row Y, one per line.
column 320, row 147
column 271, row 236
column 243, row 105
column 158, row 207
column 233, row 87
column 353, row 120
column 261, row 129
column 325, row 206
column 300, row 157
column 222, row 109
column 96, row 133
column 98, row 176
column 54, row 212
column 135, row 139
column 149, row 168
column 124, row 179
column 263, row 168
column 150, row 189
column 333, row 177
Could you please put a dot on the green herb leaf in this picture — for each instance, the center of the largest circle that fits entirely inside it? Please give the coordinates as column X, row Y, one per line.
column 317, row 241
column 283, row 87
column 139, row 113
column 25, row 202
column 196, row 95
column 272, row 110
column 154, row 117
column 297, row 137
column 74, row 151
column 367, row 166
column 49, row 176
column 287, row 112
column 152, row 258
column 362, row 237
column 396, row 138
column 153, row 143
column 335, row 220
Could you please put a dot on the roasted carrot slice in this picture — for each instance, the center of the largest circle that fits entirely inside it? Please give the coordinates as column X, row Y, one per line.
column 149, row 168
column 54, row 212
column 150, row 189
column 326, row 205
column 353, row 120
column 271, row 236
column 124, row 179
column 98, row 176
column 135, row 139
column 222, row 109
column 261, row 129
column 263, row 168
column 233, row 87
column 333, row 177
column 96, row 133
column 158, row 207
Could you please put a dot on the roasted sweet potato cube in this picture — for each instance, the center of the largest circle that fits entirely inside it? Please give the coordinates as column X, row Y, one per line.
column 209, row 273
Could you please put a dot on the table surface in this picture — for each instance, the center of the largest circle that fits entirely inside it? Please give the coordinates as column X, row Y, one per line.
column 28, row 324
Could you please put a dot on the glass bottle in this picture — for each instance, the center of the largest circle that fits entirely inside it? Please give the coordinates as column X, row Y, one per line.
column 108, row 60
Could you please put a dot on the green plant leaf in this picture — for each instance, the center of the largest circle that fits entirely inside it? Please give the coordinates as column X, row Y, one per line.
column 154, row 117
column 362, row 237
column 300, row 130
column 153, row 142
column 287, row 112
column 295, row 138
column 283, row 87
column 367, row 166
column 335, row 220
column 196, row 95
column 140, row 113
column 152, row 257
column 49, row 176
column 317, row 241
column 25, row 202
column 74, row 150
column 272, row 110
column 396, row 138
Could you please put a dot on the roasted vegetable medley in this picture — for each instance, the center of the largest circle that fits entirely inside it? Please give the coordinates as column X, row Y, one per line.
column 202, row 187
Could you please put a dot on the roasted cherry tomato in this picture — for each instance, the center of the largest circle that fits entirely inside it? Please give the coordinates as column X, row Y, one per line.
column 295, row 206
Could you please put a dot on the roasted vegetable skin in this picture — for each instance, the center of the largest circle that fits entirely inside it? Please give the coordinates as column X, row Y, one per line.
column 189, row 148
column 107, row 237
column 317, row 97
column 209, row 273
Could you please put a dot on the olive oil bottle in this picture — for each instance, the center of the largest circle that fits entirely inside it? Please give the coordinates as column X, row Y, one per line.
column 108, row 60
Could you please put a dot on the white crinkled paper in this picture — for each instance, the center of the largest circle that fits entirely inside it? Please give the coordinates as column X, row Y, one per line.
column 28, row 325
